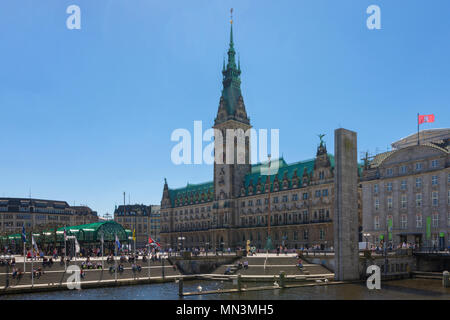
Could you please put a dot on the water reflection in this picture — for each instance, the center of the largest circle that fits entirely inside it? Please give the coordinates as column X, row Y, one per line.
column 400, row 289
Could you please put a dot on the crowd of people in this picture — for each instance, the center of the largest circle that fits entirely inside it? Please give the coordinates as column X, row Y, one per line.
column 10, row 261
column 88, row 264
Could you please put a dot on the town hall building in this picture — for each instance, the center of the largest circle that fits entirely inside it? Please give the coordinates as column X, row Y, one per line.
column 234, row 207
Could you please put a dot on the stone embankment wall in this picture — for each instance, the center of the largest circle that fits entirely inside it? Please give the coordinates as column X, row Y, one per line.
column 397, row 264
column 200, row 265
column 56, row 273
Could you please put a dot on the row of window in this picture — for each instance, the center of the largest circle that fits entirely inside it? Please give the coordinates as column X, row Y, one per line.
column 404, row 221
column 196, row 217
column 285, row 198
column 39, row 217
column 301, row 217
column 192, row 226
column 403, row 184
column 434, row 164
column 186, row 211
column 18, row 224
column 39, row 210
column 419, row 202
column 131, row 219
column 131, row 213
column 285, row 236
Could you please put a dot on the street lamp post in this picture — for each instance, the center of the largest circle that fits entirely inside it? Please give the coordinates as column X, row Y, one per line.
column 162, row 261
column 367, row 235
column 269, row 240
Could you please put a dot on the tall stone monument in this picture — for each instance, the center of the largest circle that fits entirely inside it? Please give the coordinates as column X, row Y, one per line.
column 346, row 251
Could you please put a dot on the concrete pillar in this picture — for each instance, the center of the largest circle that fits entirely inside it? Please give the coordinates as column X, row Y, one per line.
column 446, row 279
column 282, row 279
column 345, row 220
column 239, row 282
column 180, row 287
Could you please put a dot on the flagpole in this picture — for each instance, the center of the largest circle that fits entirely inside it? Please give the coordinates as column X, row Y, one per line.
column 148, row 261
column 268, row 220
column 32, row 256
column 24, row 240
column 24, row 257
column 115, row 260
column 418, row 140
column 65, row 250
column 103, row 239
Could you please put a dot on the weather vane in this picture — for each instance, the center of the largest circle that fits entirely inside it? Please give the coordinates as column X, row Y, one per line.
column 231, row 16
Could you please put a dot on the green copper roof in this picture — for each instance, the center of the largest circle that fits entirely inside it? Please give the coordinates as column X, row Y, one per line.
column 231, row 79
column 191, row 192
column 85, row 232
column 93, row 231
column 283, row 169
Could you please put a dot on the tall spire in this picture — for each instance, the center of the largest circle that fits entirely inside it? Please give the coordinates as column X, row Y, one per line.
column 231, row 73
column 231, row 52
column 231, row 92
column 231, row 34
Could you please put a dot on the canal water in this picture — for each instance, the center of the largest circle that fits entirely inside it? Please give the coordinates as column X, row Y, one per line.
column 422, row 289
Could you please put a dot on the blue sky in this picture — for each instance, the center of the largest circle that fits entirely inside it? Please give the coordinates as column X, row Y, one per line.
column 87, row 114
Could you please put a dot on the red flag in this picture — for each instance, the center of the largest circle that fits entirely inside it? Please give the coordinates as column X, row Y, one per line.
column 150, row 241
column 426, row 118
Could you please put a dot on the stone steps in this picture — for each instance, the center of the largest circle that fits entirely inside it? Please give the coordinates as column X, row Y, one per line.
column 273, row 266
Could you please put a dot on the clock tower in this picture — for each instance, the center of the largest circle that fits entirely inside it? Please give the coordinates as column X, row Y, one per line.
column 232, row 146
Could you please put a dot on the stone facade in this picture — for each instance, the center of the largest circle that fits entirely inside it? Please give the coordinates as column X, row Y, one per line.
column 38, row 214
column 301, row 212
column 144, row 219
column 411, row 187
